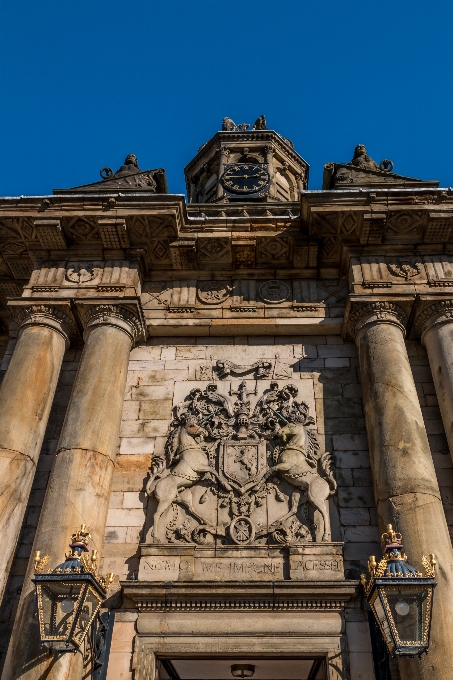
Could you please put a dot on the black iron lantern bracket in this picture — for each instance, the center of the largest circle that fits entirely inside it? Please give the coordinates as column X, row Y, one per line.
column 70, row 596
column 400, row 597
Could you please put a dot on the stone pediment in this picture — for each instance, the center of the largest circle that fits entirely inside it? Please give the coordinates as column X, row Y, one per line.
column 346, row 176
column 129, row 177
column 154, row 181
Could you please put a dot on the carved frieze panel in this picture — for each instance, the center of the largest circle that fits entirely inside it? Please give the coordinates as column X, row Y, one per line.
column 275, row 291
column 376, row 272
column 83, row 272
column 183, row 254
column 162, row 232
column 243, row 253
column 214, row 250
column 156, row 294
column 20, row 267
column 277, row 249
column 439, row 270
column 242, row 466
column 82, row 230
column 213, row 292
column 405, row 223
column 439, row 227
column 305, row 256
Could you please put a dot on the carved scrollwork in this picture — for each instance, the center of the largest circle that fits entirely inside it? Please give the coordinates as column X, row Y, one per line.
column 240, row 467
column 115, row 315
column 46, row 315
column 438, row 312
column 380, row 310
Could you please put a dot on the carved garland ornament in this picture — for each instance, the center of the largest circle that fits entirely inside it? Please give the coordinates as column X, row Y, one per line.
column 237, row 473
column 438, row 312
column 381, row 310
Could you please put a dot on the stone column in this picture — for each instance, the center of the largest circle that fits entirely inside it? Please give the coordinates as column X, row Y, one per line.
column 79, row 486
column 26, row 397
column 269, row 152
column 405, row 483
column 223, row 160
column 434, row 324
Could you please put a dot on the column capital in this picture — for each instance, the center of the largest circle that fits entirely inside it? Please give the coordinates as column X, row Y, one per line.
column 54, row 315
column 362, row 311
column 432, row 311
column 125, row 315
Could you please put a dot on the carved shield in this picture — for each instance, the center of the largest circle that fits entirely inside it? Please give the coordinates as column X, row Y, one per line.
column 242, row 460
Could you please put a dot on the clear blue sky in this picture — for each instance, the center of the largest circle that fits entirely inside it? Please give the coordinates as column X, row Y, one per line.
column 84, row 83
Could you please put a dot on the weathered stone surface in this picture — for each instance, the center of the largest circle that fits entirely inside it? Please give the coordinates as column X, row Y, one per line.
column 25, row 400
column 405, row 484
column 81, row 477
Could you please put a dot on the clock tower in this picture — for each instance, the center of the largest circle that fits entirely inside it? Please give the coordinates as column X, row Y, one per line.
column 246, row 163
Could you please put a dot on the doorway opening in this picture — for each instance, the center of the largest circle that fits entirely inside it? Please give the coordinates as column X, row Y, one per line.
column 233, row 668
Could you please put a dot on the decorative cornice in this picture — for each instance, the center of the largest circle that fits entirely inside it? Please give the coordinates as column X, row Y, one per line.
column 438, row 312
column 49, row 315
column 377, row 311
column 227, row 605
column 117, row 315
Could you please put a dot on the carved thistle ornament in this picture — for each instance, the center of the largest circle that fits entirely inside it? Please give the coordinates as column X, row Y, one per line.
column 241, row 467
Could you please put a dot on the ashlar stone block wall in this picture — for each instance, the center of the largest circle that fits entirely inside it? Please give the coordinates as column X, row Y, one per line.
column 154, row 369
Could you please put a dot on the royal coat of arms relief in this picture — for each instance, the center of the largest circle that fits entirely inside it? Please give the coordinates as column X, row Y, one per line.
column 242, row 466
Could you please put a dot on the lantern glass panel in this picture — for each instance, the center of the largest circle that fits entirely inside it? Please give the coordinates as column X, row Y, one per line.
column 89, row 606
column 58, row 603
column 409, row 609
column 382, row 619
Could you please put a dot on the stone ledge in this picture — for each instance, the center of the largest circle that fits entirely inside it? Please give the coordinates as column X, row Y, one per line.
column 208, row 595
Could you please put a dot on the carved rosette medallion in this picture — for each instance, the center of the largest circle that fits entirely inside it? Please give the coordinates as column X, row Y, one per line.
column 213, row 292
column 241, row 466
column 274, row 291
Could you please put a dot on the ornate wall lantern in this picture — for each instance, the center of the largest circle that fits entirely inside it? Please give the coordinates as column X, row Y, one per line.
column 70, row 596
column 401, row 597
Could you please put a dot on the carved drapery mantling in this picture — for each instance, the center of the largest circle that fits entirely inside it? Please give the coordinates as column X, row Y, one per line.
column 439, row 312
column 54, row 316
column 363, row 313
column 126, row 318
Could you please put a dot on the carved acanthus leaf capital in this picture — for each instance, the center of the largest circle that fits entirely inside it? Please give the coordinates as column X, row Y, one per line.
column 51, row 315
column 126, row 318
column 376, row 311
column 440, row 311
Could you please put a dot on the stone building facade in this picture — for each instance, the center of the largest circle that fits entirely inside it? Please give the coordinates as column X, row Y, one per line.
column 235, row 394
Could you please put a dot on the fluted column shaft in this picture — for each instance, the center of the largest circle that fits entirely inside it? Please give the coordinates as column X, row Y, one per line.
column 80, row 483
column 435, row 324
column 26, row 397
column 405, row 484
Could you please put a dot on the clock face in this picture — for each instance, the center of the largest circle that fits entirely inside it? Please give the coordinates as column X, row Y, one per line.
column 245, row 178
